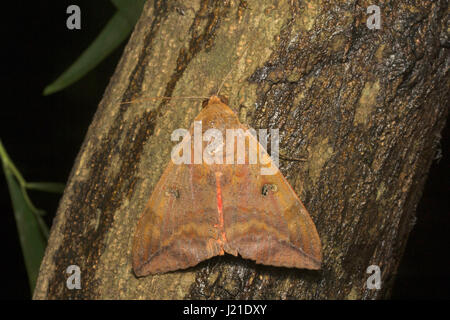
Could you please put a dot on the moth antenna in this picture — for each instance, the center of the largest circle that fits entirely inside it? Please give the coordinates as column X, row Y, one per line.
column 223, row 81
column 161, row 98
column 229, row 72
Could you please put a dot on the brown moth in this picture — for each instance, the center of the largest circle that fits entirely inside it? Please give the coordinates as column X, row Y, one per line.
column 198, row 211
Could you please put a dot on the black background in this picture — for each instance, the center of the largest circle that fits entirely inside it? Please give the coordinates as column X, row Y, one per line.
column 43, row 135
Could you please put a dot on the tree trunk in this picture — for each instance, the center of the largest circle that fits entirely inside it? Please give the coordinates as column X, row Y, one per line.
column 364, row 106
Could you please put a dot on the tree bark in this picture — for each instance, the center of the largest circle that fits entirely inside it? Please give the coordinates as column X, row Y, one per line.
column 364, row 106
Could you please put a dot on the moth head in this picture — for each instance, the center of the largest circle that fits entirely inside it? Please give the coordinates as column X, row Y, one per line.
column 215, row 100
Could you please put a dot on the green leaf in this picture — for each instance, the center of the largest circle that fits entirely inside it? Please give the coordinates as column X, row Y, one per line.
column 54, row 187
column 130, row 9
column 116, row 30
column 32, row 240
column 33, row 231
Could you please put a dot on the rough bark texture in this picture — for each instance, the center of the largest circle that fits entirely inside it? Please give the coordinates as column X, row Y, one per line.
column 364, row 106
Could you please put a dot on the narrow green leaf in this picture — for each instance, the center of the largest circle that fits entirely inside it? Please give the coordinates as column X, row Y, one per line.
column 32, row 229
column 130, row 9
column 7, row 162
column 116, row 30
column 54, row 187
column 32, row 240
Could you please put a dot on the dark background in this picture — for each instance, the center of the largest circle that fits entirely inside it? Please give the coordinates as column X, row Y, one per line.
column 43, row 136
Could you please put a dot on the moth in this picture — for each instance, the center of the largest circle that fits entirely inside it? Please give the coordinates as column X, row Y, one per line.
column 201, row 210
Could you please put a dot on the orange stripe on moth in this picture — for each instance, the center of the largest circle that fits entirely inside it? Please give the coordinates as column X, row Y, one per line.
column 219, row 199
column 220, row 211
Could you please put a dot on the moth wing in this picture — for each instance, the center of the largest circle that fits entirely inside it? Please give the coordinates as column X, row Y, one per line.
column 264, row 220
column 176, row 230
